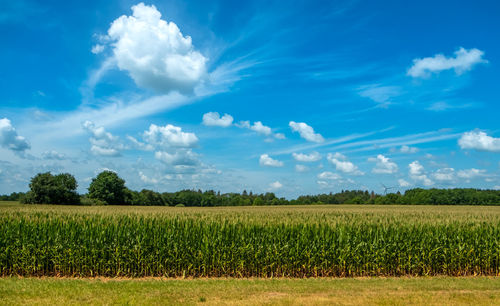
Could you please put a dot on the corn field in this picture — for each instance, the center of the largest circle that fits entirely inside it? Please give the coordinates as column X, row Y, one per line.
column 260, row 242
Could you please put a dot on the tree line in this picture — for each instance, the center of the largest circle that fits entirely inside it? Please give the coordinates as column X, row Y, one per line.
column 107, row 188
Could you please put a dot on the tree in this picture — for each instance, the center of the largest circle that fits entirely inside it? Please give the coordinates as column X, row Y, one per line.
column 109, row 188
column 46, row 188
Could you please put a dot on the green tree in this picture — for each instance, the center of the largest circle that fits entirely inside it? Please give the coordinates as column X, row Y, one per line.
column 46, row 188
column 109, row 188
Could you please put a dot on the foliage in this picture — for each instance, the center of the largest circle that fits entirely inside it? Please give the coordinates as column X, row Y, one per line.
column 86, row 201
column 46, row 188
column 14, row 196
column 109, row 188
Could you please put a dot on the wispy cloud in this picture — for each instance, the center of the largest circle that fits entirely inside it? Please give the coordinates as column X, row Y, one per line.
column 329, row 142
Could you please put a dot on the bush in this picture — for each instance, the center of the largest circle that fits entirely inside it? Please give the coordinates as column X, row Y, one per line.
column 85, row 200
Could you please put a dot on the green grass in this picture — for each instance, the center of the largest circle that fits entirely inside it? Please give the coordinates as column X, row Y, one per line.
column 347, row 291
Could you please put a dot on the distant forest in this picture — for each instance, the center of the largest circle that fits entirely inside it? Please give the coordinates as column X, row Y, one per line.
column 109, row 189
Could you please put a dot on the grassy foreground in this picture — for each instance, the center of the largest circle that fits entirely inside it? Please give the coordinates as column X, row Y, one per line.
column 347, row 291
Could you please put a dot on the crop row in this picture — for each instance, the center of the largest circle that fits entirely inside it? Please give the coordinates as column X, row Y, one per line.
column 137, row 246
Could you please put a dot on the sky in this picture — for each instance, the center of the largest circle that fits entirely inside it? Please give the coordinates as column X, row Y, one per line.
column 290, row 97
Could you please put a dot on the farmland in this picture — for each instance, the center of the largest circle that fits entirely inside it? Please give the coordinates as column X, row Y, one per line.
column 298, row 241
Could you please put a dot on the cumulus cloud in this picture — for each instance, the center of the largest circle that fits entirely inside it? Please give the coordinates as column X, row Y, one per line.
column 214, row 119
column 403, row 183
column 312, row 157
column 275, row 185
column 383, row 165
column 405, row 149
column 53, row 155
column 147, row 179
column 266, row 160
column 182, row 157
column 173, row 147
column 328, row 179
column 279, row 136
column 169, row 136
column 261, row 129
column 9, row 138
column 154, row 52
column 306, row 131
column 301, row 168
column 471, row 173
column 103, row 143
column 463, row 61
column 479, row 141
column 243, row 124
column 342, row 164
column 96, row 49
column 444, row 175
column 417, row 173
column 140, row 145
column 416, row 168
column 327, row 175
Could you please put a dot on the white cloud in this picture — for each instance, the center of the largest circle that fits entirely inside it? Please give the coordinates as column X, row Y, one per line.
column 471, row 173
column 306, row 131
column 327, row 175
column 417, row 173
column 338, row 155
column 96, row 49
column 423, row 179
column 214, row 119
column 140, row 145
column 154, row 52
column 383, row 165
column 266, row 160
column 416, row 168
column 279, row 136
column 9, row 138
column 102, row 151
column 343, row 165
column 323, row 184
column 463, row 61
column 444, row 175
column 403, row 183
column 405, row 149
column 169, row 136
column 146, row 179
column 243, row 124
column 103, row 143
column 480, row 141
column 301, row 168
column 380, row 94
column 441, row 106
column 261, row 129
column 276, row 185
column 329, row 179
column 53, row 155
column 312, row 157
column 181, row 157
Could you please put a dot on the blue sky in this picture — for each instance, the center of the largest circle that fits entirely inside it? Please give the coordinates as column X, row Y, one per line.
column 295, row 97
